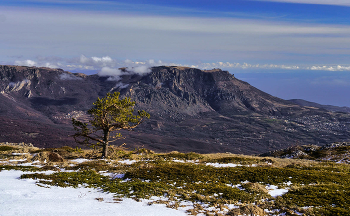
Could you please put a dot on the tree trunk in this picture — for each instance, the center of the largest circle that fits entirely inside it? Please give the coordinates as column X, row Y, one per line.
column 105, row 143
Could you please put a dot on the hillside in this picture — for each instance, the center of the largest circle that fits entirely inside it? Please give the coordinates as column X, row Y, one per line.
column 191, row 110
column 326, row 107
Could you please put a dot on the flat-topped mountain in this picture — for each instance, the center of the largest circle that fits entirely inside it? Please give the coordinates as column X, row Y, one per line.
column 191, row 110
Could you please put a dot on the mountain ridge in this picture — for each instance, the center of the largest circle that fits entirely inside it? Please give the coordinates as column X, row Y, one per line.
column 191, row 110
column 326, row 107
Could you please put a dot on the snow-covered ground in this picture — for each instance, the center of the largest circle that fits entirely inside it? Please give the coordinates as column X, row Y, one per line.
column 26, row 197
column 23, row 197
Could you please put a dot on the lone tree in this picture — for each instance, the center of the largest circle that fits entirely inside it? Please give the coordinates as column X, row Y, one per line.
column 109, row 114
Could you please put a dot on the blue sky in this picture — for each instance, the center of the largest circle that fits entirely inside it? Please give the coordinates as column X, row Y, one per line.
column 269, row 43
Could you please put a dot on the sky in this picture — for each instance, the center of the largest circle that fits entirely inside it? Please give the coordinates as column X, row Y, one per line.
column 288, row 48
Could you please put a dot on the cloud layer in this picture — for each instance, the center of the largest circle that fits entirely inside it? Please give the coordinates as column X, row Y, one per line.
column 109, row 67
column 106, row 37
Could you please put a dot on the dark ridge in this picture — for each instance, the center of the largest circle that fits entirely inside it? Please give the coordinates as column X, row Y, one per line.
column 326, row 107
column 191, row 110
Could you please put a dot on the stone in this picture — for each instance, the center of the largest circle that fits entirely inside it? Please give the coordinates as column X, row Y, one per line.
column 55, row 157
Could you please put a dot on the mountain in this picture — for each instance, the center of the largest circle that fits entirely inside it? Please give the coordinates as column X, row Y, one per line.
column 191, row 110
column 326, row 107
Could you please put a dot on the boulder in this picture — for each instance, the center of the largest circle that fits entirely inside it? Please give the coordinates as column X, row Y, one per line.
column 55, row 157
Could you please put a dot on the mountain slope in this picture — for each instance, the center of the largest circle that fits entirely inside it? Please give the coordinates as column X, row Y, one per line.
column 326, row 107
column 191, row 110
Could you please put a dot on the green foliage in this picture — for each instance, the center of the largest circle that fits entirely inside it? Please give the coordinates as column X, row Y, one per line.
column 183, row 156
column 70, row 179
column 109, row 114
column 112, row 112
column 234, row 159
column 331, row 199
column 76, row 149
column 7, row 148
column 97, row 165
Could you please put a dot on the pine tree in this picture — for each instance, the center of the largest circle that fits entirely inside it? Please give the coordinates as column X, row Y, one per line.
column 109, row 114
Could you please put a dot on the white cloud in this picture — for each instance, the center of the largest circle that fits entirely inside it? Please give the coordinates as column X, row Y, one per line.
column 105, row 59
column 94, row 62
column 31, row 63
column 28, row 62
column 113, row 73
column 330, row 68
column 140, row 70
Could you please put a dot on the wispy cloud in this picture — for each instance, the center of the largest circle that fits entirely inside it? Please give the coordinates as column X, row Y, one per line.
column 32, row 63
column 67, row 76
column 323, row 2
column 27, row 62
column 244, row 66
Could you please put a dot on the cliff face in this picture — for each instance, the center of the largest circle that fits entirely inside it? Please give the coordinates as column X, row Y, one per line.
column 191, row 110
column 192, row 91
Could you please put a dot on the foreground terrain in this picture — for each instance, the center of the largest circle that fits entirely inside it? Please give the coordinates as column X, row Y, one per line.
column 185, row 183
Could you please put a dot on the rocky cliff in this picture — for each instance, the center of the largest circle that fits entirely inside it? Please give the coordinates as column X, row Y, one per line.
column 191, row 110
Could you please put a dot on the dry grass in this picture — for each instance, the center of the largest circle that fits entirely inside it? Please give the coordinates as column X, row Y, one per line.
column 31, row 154
column 259, row 161
column 247, row 210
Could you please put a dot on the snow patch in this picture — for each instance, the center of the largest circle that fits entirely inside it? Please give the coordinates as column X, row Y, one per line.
column 24, row 197
column 128, row 162
column 222, row 165
column 79, row 160
column 274, row 191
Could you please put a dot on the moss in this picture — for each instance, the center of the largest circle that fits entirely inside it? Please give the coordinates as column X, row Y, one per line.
column 182, row 156
column 70, row 179
column 331, row 199
column 7, row 148
column 97, row 165
column 234, row 159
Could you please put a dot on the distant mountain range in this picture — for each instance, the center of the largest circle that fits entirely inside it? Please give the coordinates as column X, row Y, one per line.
column 191, row 110
column 326, row 107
